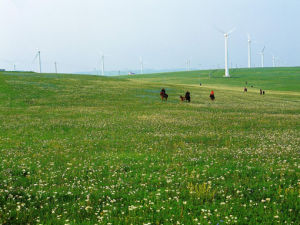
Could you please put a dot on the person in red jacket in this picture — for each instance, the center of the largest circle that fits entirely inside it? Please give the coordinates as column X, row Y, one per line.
column 212, row 95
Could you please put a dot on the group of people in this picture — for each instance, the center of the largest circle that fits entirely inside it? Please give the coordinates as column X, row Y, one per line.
column 262, row 92
column 187, row 96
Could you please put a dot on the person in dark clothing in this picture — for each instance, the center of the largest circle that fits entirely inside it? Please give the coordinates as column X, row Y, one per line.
column 188, row 96
column 245, row 89
column 163, row 94
column 263, row 92
column 260, row 91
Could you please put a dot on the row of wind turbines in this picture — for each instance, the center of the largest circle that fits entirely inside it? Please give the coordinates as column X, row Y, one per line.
column 262, row 52
column 141, row 65
column 38, row 56
column 141, row 62
column 188, row 62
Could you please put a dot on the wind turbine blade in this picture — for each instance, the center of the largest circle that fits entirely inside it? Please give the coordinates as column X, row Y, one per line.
column 35, row 57
column 231, row 31
column 263, row 49
column 6, row 60
column 219, row 30
column 249, row 38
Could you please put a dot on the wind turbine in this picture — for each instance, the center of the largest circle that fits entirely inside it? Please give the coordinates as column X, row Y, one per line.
column 249, row 51
column 226, row 35
column 102, row 63
column 38, row 55
column 273, row 61
column 102, row 60
column 188, row 65
column 262, row 56
column 141, row 65
column 55, row 67
column 40, row 63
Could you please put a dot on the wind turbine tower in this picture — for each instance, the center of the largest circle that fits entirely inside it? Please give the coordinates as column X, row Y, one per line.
column 188, row 65
column 141, row 65
column 262, row 56
column 226, row 36
column 55, row 66
column 40, row 63
column 273, row 60
column 249, row 51
column 103, row 65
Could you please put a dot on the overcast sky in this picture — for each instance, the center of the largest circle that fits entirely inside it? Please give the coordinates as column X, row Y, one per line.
column 164, row 32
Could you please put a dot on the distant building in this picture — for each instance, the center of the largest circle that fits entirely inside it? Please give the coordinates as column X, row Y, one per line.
column 131, row 73
column 2, row 70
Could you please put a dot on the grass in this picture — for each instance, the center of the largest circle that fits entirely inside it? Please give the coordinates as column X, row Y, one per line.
column 97, row 150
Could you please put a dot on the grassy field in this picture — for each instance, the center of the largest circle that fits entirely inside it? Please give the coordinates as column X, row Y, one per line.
column 96, row 150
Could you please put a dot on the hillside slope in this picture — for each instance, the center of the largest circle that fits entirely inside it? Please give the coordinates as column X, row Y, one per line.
column 96, row 150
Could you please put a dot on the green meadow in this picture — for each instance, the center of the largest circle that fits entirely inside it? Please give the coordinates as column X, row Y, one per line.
column 78, row 149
